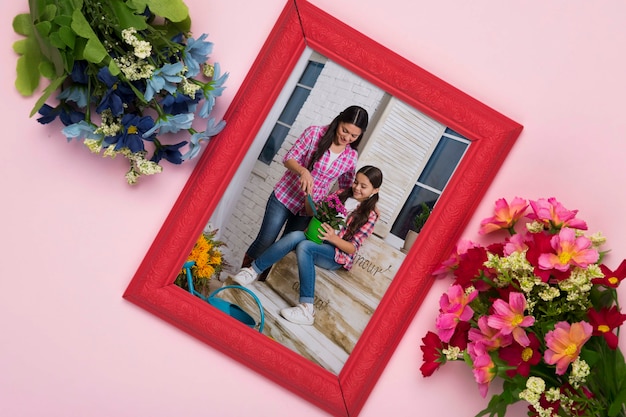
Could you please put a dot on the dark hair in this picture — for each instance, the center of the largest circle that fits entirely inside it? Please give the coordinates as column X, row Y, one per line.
column 362, row 213
column 354, row 115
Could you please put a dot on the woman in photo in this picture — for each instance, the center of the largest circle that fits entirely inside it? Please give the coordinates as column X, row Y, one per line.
column 336, row 251
column 318, row 158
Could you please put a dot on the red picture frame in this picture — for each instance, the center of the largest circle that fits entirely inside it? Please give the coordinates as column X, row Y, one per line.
column 300, row 25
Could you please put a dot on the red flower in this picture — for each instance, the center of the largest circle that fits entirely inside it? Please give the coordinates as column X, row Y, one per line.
column 611, row 279
column 459, row 338
column 433, row 357
column 604, row 321
column 433, row 347
column 470, row 266
column 522, row 358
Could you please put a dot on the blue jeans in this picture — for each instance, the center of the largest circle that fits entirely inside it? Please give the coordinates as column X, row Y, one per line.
column 308, row 255
column 276, row 214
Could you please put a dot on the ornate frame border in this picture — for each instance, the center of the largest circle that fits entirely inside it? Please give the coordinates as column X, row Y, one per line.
column 299, row 25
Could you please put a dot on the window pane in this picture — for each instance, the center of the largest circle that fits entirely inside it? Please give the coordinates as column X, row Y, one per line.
column 442, row 163
column 291, row 110
column 276, row 139
column 312, row 71
column 412, row 208
column 453, row 133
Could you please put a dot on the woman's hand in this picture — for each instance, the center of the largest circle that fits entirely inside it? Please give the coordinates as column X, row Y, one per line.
column 306, row 181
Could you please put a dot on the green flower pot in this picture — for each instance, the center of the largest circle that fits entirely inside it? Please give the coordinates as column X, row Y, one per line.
column 312, row 231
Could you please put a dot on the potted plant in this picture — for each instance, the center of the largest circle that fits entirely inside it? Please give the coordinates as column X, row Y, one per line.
column 418, row 223
column 331, row 211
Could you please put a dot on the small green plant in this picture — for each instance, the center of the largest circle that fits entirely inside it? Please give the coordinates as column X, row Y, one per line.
column 420, row 219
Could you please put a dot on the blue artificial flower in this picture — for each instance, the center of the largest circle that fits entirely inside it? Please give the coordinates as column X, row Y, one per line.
column 214, row 89
column 76, row 93
column 171, row 124
column 196, row 53
column 178, row 38
column 170, row 153
column 131, row 135
column 79, row 72
column 165, row 78
column 194, row 144
column 67, row 115
column 117, row 93
column 80, row 131
column 180, row 103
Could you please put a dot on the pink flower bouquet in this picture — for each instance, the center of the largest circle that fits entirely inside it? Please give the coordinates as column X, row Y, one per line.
column 538, row 310
column 331, row 210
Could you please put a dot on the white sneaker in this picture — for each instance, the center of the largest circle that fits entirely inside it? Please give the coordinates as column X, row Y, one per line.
column 299, row 314
column 245, row 276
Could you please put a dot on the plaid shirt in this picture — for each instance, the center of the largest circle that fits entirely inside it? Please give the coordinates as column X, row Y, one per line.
column 357, row 240
column 343, row 169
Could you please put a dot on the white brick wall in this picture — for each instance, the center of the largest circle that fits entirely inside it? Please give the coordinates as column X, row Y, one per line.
column 335, row 90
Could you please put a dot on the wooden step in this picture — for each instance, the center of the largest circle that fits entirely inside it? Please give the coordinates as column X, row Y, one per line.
column 344, row 301
column 308, row 341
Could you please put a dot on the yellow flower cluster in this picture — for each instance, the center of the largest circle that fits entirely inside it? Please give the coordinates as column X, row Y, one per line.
column 207, row 256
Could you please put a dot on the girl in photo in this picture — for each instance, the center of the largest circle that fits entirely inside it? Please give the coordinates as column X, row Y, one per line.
column 337, row 250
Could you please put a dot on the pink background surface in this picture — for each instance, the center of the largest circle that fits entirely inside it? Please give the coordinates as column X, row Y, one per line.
column 75, row 232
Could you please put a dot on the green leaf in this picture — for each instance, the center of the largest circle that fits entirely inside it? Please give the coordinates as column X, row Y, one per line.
column 22, row 24
column 21, row 46
column 113, row 68
column 63, row 20
column 46, row 69
column 174, row 10
column 28, row 76
column 590, row 356
column 127, row 17
column 43, row 28
column 67, row 6
column 51, row 88
column 27, row 66
column 48, row 12
column 37, row 8
column 94, row 51
column 497, row 406
column 176, row 27
column 618, row 404
column 56, row 41
column 68, row 36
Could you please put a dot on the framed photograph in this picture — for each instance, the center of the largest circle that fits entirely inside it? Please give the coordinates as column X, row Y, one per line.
column 301, row 31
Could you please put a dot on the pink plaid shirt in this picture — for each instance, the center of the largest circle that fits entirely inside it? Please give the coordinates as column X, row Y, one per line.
column 357, row 240
column 343, row 169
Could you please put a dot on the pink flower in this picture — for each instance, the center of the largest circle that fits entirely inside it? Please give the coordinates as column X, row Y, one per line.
column 564, row 343
column 554, row 215
column 570, row 250
column 506, row 215
column 515, row 243
column 509, row 317
column 454, row 308
column 489, row 337
column 483, row 367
